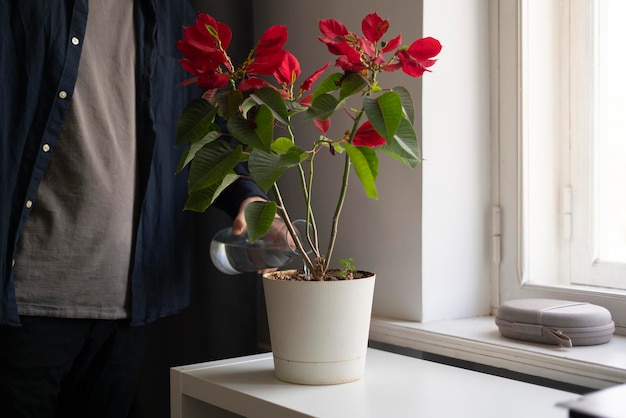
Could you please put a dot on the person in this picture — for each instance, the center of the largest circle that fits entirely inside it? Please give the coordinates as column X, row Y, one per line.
column 92, row 228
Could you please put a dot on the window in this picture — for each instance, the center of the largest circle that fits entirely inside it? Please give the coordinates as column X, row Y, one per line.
column 560, row 186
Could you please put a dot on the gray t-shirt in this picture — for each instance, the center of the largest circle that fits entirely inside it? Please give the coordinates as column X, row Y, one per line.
column 73, row 258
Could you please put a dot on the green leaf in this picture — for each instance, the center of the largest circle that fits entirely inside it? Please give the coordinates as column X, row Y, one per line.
column 212, row 31
column 257, row 133
column 228, row 102
column 200, row 200
column 322, row 107
column 194, row 147
column 211, row 164
column 330, row 84
column 259, row 218
column 407, row 103
column 365, row 164
column 353, row 83
column 283, row 145
column 384, row 112
column 403, row 145
column 338, row 147
column 294, row 107
column 226, row 181
column 273, row 100
column 266, row 167
column 195, row 121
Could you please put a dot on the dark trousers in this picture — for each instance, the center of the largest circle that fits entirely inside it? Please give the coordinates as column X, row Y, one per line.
column 57, row 367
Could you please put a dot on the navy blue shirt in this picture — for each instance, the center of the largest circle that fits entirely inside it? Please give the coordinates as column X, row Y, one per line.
column 40, row 51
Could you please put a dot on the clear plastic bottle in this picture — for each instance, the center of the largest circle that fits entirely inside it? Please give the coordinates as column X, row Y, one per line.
column 234, row 254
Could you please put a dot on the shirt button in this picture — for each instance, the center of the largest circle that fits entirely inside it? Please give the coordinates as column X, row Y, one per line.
column 45, row 147
column 29, row 204
column 63, row 94
column 75, row 40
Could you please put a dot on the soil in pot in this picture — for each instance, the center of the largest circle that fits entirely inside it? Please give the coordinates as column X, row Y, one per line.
column 331, row 275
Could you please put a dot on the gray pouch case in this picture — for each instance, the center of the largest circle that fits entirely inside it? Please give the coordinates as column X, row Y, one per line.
column 558, row 322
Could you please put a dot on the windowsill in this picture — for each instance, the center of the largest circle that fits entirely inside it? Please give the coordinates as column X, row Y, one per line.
column 477, row 340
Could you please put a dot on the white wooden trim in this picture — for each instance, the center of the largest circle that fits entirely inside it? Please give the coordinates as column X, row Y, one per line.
column 478, row 340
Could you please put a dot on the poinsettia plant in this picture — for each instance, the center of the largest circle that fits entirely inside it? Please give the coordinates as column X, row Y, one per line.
column 259, row 99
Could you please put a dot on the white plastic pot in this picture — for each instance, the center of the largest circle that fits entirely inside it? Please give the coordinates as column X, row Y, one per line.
column 319, row 330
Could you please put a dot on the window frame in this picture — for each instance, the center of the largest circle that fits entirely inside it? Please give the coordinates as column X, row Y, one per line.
column 588, row 266
column 510, row 279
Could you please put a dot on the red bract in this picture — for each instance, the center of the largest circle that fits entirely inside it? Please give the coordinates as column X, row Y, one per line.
column 289, row 70
column 252, row 83
column 273, row 38
column 374, row 27
column 199, row 62
column 333, row 30
column 306, row 85
column 204, row 67
column 208, row 33
column 322, row 125
column 269, row 52
column 347, row 65
column 267, row 63
column 416, row 59
column 367, row 136
column 307, row 100
column 367, row 47
column 393, row 44
column 212, row 80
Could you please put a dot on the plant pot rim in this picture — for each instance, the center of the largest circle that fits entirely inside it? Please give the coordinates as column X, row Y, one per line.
column 363, row 274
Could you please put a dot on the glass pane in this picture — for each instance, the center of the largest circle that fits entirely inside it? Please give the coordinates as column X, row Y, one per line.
column 610, row 143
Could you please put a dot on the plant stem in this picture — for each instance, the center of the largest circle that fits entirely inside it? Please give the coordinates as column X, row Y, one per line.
column 335, row 223
column 308, row 188
column 306, row 191
column 310, row 219
column 292, row 230
column 342, row 197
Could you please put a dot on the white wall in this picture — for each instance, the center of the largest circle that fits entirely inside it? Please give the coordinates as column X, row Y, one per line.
column 431, row 259
column 456, row 210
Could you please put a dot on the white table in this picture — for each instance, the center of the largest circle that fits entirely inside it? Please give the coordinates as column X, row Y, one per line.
column 394, row 386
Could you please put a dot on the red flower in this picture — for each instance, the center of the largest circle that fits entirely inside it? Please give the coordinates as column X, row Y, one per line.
column 336, row 41
column 207, row 39
column 418, row 57
column 203, row 47
column 367, row 136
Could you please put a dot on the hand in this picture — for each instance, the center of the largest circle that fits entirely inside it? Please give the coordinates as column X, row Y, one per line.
column 239, row 223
